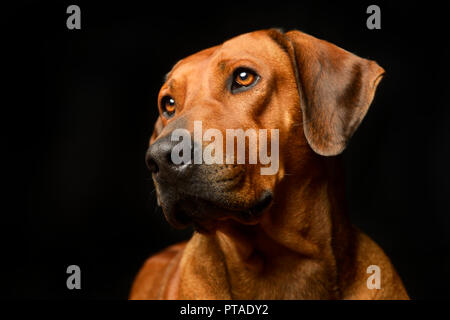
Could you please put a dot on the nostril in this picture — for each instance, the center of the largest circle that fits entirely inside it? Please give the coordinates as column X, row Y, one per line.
column 151, row 164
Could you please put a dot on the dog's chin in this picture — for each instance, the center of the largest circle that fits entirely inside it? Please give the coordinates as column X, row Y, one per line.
column 206, row 215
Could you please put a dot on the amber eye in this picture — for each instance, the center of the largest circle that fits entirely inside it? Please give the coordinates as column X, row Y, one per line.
column 168, row 106
column 243, row 79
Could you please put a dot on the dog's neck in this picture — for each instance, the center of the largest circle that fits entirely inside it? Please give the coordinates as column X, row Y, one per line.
column 294, row 252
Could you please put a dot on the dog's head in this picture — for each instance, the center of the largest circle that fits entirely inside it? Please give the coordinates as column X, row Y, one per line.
column 289, row 97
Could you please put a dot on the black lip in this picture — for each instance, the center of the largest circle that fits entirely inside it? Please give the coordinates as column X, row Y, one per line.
column 263, row 202
column 199, row 211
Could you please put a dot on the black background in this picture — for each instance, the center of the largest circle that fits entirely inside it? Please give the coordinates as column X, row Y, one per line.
column 78, row 108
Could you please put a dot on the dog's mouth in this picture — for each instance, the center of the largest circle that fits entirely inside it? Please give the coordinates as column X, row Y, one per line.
column 209, row 195
column 205, row 215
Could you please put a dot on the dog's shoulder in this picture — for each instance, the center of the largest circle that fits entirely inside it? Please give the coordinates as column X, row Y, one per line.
column 370, row 258
column 154, row 276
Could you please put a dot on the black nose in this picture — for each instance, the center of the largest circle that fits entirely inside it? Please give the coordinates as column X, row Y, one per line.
column 159, row 156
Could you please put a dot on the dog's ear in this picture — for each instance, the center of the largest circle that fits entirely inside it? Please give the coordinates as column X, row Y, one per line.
column 336, row 89
column 157, row 128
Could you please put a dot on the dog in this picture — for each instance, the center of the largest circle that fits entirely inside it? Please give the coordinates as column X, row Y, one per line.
column 280, row 236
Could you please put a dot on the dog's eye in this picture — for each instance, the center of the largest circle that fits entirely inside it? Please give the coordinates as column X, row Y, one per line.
column 168, row 106
column 243, row 79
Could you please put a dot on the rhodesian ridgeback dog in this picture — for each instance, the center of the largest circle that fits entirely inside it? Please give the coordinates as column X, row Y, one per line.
column 280, row 236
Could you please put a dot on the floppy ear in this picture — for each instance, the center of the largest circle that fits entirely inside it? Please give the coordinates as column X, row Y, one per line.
column 157, row 128
column 336, row 88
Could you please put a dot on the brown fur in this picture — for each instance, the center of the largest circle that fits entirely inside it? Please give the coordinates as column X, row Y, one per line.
column 303, row 246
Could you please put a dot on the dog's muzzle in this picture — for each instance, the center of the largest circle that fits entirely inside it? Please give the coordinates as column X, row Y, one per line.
column 198, row 193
